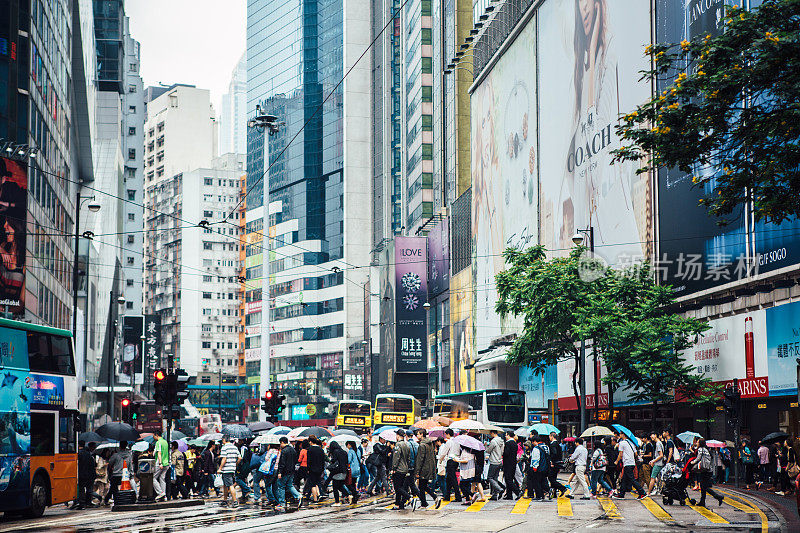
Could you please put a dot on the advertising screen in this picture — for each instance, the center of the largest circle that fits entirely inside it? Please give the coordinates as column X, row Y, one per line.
column 13, row 229
column 411, row 280
column 783, row 348
column 132, row 360
column 590, row 56
column 439, row 257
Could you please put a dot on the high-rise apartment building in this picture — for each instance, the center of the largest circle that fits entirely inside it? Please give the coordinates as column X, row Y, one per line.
column 233, row 113
column 309, row 195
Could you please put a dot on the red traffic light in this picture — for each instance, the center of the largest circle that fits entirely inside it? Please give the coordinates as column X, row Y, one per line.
column 159, row 375
column 126, row 402
column 268, row 395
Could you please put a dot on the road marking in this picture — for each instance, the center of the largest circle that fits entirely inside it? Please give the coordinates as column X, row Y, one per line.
column 657, row 510
column 737, row 504
column 564, row 507
column 755, row 508
column 610, row 508
column 521, row 507
column 475, row 507
column 710, row 515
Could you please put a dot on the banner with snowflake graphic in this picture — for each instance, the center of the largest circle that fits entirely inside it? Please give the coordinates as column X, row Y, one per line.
column 411, row 271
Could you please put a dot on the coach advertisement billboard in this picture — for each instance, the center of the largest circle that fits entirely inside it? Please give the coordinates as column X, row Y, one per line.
column 591, row 53
column 439, row 258
column 411, row 282
column 13, row 229
column 132, row 360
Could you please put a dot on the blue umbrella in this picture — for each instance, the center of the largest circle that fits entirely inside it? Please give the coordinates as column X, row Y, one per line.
column 689, row 436
column 385, row 428
column 628, row 433
column 545, row 429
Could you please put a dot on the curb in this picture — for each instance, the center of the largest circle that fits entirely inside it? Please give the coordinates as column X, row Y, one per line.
column 175, row 504
column 787, row 517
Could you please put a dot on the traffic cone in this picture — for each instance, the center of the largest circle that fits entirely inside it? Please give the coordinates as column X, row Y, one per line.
column 126, row 477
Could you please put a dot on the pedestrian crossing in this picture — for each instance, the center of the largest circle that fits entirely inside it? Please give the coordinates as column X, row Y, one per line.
column 611, row 509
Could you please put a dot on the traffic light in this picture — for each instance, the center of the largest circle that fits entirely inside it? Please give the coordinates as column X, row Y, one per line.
column 273, row 402
column 160, row 387
column 182, row 382
column 280, row 403
column 266, row 406
column 135, row 406
column 730, row 401
column 125, row 415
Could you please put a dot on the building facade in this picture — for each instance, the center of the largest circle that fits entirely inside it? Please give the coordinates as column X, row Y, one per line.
column 233, row 113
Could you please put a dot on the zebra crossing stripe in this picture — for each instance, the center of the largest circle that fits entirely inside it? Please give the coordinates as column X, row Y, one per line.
column 521, row 507
column 610, row 508
column 564, row 507
column 657, row 510
column 708, row 514
column 475, row 507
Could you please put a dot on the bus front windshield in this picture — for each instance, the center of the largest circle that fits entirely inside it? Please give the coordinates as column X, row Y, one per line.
column 395, row 405
column 354, row 409
column 505, row 407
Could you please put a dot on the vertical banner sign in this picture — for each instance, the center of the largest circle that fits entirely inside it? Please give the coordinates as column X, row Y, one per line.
column 13, row 213
column 353, row 382
column 439, row 258
column 411, row 280
column 152, row 341
column 132, row 361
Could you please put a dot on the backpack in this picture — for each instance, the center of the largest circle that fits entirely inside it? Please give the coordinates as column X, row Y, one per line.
column 600, row 461
column 544, row 458
column 704, row 465
column 412, row 456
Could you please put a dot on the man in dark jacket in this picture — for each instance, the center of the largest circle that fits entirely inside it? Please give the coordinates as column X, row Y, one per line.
column 243, row 471
column 556, row 462
column 207, row 469
column 376, row 463
column 86, row 475
column 510, row 449
column 316, row 467
column 425, row 468
column 286, row 466
column 401, row 457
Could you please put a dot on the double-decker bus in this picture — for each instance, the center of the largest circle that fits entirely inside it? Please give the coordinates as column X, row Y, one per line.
column 355, row 415
column 400, row 410
column 148, row 419
column 38, row 411
column 497, row 407
column 210, row 423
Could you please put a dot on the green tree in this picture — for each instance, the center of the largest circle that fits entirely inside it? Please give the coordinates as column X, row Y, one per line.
column 732, row 106
column 565, row 300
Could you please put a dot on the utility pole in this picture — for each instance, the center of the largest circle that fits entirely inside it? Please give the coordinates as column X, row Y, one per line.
column 219, row 392
column 170, row 372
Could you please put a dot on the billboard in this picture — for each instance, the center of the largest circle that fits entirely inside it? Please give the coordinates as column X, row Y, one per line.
column 439, row 258
column 354, row 382
column 591, row 55
column 504, row 173
column 539, row 388
column 411, row 281
column 783, row 348
column 13, row 229
column 132, row 360
column 152, row 341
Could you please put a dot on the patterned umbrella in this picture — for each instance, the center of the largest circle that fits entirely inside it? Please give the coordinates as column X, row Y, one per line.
column 237, row 431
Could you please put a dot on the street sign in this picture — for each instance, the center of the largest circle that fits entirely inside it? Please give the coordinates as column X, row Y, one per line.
column 311, row 409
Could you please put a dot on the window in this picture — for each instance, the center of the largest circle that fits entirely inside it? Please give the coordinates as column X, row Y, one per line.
column 42, row 358
column 131, row 239
column 208, row 214
column 131, row 217
column 131, row 67
column 43, row 438
column 132, row 130
column 206, row 344
column 128, row 305
column 208, row 181
column 131, row 109
column 208, row 245
column 67, row 436
column 207, row 295
column 130, row 260
column 129, row 282
column 131, row 194
column 131, row 88
column 205, row 380
column 131, row 153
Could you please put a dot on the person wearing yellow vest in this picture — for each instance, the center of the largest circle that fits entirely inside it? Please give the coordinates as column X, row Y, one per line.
column 162, row 467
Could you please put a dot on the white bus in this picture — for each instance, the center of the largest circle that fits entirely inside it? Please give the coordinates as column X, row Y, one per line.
column 497, row 407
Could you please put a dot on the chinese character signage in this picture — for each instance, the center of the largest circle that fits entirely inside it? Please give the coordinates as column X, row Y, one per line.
column 783, row 348
column 152, row 341
column 353, row 382
column 46, row 390
column 132, row 361
column 13, row 214
column 411, row 273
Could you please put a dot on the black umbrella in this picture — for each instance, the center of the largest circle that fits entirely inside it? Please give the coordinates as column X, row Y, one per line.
column 118, row 431
column 317, row 431
column 258, row 427
column 349, row 432
column 237, row 431
column 90, row 436
column 778, row 436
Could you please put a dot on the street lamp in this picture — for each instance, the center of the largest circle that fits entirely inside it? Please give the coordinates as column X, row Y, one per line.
column 94, row 207
column 578, row 239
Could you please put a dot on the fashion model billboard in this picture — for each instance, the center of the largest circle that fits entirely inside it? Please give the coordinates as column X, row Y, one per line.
column 439, row 257
column 411, row 280
column 13, row 229
column 590, row 55
column 783, row 348
column 132, row 360
column 504, row 174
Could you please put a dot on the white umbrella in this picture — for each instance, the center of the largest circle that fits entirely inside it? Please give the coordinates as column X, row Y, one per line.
column 108, row 445
column 140, row 446
column 489, row 428
column 267, row 439
column 467, row 425
column 597, row 431
column 389, row 434
column 342, row 439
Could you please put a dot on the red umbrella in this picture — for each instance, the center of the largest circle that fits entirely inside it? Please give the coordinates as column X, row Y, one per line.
column 568, row 439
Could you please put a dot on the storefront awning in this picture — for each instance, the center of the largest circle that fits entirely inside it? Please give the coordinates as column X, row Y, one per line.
column 496, row 355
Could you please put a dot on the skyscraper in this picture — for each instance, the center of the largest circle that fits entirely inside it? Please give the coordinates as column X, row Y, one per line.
column 233, row 112
column 310, row 186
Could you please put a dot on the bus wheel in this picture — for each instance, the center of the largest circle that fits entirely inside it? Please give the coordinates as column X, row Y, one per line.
column 39, row 497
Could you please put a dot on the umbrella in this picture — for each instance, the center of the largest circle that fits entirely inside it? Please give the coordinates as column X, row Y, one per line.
column 487, row 429
column 388, row 434
column 210, row 436
column 177, row 435
column 386, row 428
column 148, row 439
column 628, row 433
column 729, row 443
column 349, row 432
column 279, row 430
column 140, row 446
column 237, row 431
column 689, row 436
column 267, row 439
column 197, row 442
column 118, row 431
column 107, row 445
column 443, row 420
column 524, row 431
column 568, row 439
column 317, row 431
column 258, row 427
column 468, row 425
column 597, row 431
column 545, row 429
column 428, row 423
column 182, row 445
column 715, row 444
column 90, row 436
column 778, row 436
column 294, row 433
column 342, row 439
column 470, row 442
column 436, row 433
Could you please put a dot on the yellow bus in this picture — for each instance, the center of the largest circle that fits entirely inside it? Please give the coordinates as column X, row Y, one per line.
column 400, row 410
column 355, row 415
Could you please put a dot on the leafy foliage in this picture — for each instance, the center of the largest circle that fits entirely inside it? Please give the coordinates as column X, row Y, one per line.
column 731, row 115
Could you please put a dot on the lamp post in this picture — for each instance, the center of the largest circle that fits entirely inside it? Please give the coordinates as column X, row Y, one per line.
column 94, row 207
column 578, row 240
column 111, row 350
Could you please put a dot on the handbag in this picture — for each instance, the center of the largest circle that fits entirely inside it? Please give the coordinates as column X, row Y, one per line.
column 349, row 479
column 793, row 470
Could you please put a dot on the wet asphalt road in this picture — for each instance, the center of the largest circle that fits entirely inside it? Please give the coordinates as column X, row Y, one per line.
column 740, row 512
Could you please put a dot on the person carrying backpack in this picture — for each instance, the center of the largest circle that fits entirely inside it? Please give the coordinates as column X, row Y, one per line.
column 598, row 465
column 537, row 469
column 702, row 464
